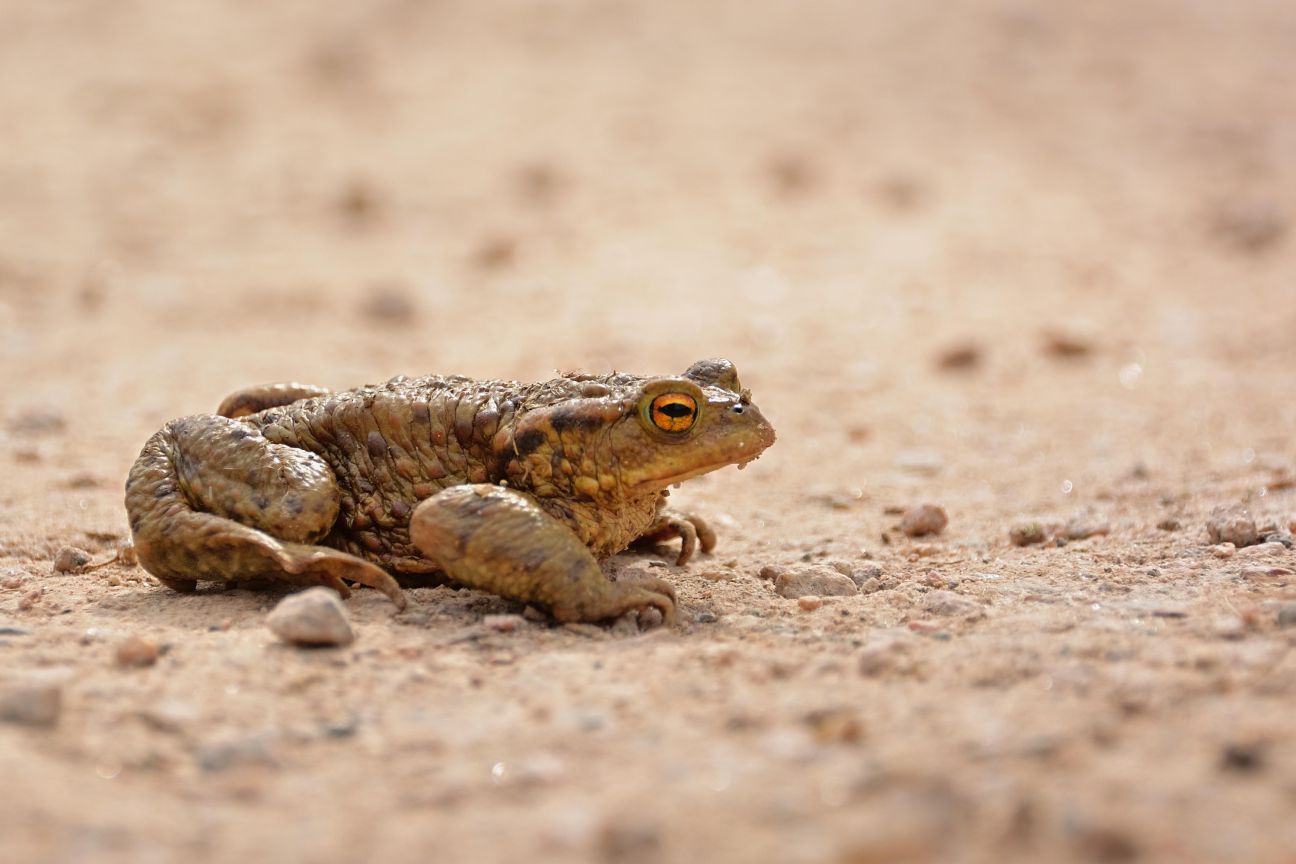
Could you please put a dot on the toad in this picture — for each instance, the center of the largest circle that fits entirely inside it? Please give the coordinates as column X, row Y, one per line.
column 516, row 489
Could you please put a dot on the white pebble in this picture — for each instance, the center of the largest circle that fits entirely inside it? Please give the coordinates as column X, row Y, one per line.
column 316, row 616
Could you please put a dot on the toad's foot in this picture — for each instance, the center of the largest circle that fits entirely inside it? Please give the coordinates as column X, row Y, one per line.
column 501, row 541
column 212, row 499
column 691, row 530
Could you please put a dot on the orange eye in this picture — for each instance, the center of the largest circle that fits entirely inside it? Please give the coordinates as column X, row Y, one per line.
column 673, row 412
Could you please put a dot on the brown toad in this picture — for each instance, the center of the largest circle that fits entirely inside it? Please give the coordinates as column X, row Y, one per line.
column 512, row 488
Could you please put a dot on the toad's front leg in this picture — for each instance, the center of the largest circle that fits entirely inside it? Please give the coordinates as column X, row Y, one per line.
column 692, row 531
column 499, row 540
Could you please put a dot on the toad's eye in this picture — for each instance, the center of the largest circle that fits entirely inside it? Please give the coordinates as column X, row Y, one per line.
column 673, row 412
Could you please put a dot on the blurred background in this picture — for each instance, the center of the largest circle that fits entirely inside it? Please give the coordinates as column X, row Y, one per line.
column 829, row 194
column 1011, row 257
column 826, row 193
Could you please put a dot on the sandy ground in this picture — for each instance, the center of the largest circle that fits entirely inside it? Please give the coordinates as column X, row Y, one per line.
column 198, row 196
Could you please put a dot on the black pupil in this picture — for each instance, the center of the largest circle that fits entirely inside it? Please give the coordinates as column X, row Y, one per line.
column 675, row 410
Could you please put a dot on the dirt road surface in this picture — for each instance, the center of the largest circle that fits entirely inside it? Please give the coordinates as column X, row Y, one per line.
column 1031, row 263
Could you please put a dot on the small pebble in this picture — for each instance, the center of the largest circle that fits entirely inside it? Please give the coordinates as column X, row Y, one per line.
column 495, row 252
column 250, row 750
column 959, row 356
column 626, row 625
column 1232, row 525
column 1223, row 550
column 919, row 461
column 388, row 303
column 1026, row 534
column 1244, row 757
column 861, row 575
column 835, row 726
column 504, row 623
column 1229, row 627
column 1169, row 524
column 811, row 579
column 791, row 173
column 137, row 652
column 887, row 654
column 38, row 422
column 539, row 183
column 315, row 617
column 923, row 520
column 359, row 202
column 589, row 631
column 1268, row 575
column 1248, row 226
column 1281, row 537
column 943, row 602
column 1263, row 550
column 1287, row 615
column 171, row 717
column 650, row 617
column 70, row 559
column 1070, row 340
column 342, row 727
column 809, row 603
column 1083, row 529
column 32, row 703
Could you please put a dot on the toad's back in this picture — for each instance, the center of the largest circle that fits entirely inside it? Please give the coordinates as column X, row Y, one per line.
column 393, row 445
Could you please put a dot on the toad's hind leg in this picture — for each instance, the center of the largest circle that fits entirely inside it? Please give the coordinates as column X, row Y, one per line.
column 250, row 400
column 211, row 499
column 500, row 540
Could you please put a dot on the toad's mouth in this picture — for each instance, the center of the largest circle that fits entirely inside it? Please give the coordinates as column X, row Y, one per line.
column 672, row 479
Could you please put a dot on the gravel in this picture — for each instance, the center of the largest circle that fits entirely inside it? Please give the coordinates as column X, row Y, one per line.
column 923, row 520
column 70, row 559
column 1232, row 525
column 1071, row 340
column 31, row 703
column 256, row 749
column 1263, row 550
column 809, row 580
column 389, row 304
column 504, row 623
column 887, row 653
column 137, row 652
column 1026, row 534
column 943, row 602
column 1082, row 529
column 315, row 617
column 959, row 356
column 1261, row 575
